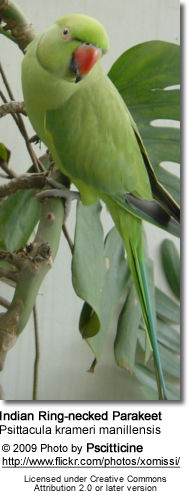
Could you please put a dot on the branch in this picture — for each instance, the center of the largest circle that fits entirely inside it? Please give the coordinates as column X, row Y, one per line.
column 25, row 181
column 38, row 181
column 36, row 264
column 15, row 25
column 12, row 108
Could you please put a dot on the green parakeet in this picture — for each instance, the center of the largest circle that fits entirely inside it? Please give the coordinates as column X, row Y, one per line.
column 78, row 113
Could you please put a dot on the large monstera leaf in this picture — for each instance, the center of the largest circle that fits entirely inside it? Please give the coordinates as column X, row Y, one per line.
column 147, row 77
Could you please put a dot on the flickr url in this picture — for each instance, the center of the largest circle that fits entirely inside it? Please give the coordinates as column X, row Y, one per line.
column 90, row 462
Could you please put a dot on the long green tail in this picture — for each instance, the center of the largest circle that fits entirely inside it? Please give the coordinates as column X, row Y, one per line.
column 130, row 229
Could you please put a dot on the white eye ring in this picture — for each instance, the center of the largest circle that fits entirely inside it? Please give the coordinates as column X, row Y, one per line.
column 65, row 33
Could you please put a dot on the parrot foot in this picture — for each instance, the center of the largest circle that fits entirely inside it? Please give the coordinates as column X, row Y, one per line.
column 60, row 192
column 63, row 193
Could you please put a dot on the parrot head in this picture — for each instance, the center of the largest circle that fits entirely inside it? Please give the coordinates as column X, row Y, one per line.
column 71, row 47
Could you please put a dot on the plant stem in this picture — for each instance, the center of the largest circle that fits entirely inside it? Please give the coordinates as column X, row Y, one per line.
column 37, row 353
column 34, row 265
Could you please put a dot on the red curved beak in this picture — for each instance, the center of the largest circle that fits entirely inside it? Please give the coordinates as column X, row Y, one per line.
column 85, row 57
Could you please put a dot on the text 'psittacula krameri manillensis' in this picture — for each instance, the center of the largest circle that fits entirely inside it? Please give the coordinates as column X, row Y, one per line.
column 79, row 114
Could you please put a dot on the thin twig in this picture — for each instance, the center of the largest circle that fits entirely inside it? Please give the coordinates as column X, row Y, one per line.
column 5, row 303
column 36, row 163
column 8, row 170
column 37, row 353
column 3, row 97
column 5, row 100
column 9, row 91
column 19, row 121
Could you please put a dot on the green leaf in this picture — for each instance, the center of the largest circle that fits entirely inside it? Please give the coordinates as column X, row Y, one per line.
column 88, row 267
column 167, row 310
column 19, row 214
column 99, row 274
column 168, row 336
column 89, row 323
column 171, row 265
column 173, row 393
column 129, row 320
column 4, row 153
column 148, row 384
column 115, row 284
column 126, row 336
column 170, row 362
column 147, row 379
column 145, row 76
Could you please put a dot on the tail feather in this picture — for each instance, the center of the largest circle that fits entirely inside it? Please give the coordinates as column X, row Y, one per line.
column 139, row 274
column 130, row 229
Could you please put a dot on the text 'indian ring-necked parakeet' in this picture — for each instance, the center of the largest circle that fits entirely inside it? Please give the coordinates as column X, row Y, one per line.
column 78, row 113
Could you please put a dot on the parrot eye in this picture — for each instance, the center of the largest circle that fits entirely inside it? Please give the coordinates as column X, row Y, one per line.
column 65, row 33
